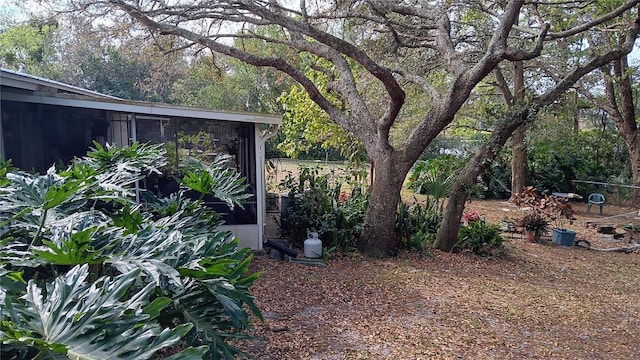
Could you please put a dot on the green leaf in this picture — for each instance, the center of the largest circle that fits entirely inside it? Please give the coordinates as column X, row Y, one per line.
column 70, row 248
column 130, row 218
column 155, row 308
column 60, row 193
column 190, row 353
column 88, row 321
column 233, row 310
column 217, row 179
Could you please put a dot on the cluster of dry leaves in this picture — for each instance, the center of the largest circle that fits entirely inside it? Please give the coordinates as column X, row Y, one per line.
column 538, row 301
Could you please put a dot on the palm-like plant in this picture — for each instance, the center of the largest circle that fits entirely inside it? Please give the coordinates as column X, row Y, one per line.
column 87, row 273
column 433, row 180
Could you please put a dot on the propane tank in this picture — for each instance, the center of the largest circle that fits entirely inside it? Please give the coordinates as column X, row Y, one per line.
column 313, row 246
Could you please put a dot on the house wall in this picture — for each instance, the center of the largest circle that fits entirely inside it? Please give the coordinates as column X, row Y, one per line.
column 249, row 235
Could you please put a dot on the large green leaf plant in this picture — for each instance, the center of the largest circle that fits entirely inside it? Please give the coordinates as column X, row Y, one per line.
column 86, row 272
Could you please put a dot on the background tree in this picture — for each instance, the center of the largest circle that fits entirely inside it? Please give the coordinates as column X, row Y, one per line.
column 513, row 98
column 30, row 47
column 120, row 62
column 385, row 40
column 618, row 103
column 306, row 125
column 226, row 83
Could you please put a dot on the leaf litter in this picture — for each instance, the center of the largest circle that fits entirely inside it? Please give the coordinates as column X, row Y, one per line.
column 538, row 301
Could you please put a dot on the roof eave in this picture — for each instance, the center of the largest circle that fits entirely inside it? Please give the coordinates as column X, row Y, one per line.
column 145, row 108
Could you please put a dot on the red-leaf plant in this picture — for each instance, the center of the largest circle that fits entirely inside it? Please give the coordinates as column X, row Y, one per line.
column 556, row 209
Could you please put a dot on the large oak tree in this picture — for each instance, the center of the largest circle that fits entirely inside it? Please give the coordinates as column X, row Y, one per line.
column 430, row 52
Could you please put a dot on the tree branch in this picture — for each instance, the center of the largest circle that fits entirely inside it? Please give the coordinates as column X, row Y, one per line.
column 519, row 55
column 503, row 86
column 586, row 26
column 598, row 61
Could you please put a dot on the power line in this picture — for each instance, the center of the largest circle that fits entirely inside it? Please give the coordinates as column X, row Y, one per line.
column 604, row 183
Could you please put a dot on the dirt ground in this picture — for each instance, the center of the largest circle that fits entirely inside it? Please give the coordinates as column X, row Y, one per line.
column 587, row 225
column 538, row 301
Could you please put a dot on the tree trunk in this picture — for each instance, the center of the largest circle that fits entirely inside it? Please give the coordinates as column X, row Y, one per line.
column 634, row 157
column 519, row 164
column 628, row 122
column 448, row 231
column 624, row 116
column 378, row 234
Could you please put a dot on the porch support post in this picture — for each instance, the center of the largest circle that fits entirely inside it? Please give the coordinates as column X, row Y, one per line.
column 261, row 196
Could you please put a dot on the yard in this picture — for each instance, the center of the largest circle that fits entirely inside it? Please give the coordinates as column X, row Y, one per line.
column 537, row 301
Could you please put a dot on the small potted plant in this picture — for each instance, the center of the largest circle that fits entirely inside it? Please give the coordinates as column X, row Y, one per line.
column 535, row 225
column 561, row 214
column 551, row 209
column 535, row 221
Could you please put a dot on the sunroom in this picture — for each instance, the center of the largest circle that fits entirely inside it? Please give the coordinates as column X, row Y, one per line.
column 44, row 122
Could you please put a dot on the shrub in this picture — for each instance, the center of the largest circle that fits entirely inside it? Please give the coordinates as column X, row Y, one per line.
column 320, row 203
column 86, row 272
column 435, row 176
column 481, row 238
column 417, row 225
column 555, row 158
column 594, row 155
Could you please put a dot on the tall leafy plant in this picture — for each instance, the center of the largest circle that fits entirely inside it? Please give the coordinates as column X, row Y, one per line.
column 417, row 224
column 332, row 205
column 434, row 177
column 88, row 273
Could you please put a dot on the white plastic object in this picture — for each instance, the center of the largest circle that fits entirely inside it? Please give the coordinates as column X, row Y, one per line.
column 313, row 246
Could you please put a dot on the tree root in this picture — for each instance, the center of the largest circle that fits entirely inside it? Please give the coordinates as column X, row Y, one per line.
column 625, row 249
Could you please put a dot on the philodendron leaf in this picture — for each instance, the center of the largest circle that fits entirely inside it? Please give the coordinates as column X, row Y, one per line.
column 155, row 308
column 217, row 179
column 70, row 248
column 190, row 353
column 10, row 282
column 62, row 192
column 89, row 321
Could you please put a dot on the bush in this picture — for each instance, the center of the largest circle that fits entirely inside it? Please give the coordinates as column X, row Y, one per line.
column 496, row 179
column 481, row 238
column 593, row 155
column 555, row 158
column 435, row 176
column 86, row 272
column 417, row 225
column 320, row 203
